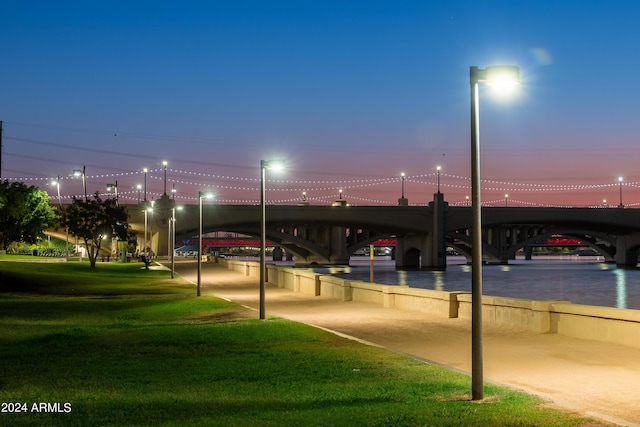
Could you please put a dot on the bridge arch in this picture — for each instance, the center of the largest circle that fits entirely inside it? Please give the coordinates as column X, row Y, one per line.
column 461, row 242
column 412, row 257
column 306, row 251
column 351, row 249
column 602, row 243
column 589, row 238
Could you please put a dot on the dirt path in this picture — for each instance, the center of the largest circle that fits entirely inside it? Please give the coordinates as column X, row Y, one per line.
column 593, row 378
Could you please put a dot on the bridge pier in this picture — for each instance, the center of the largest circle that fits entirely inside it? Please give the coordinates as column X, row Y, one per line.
column 331, row 242
column 528, row 252
column 627, row 250
column 411, row 251
column 338, row 246
column 438, row 255
column 500, row 239
column 427, row 251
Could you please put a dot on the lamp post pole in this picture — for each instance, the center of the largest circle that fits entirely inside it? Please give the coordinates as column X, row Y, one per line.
column 145, row 183
column 477, row 380
column 66, row 229
column 171, row 237
column 402, row 176
column 83, row 172
column 498, row 75
column 201, row 195
column 264, row 165
column 146, row 213
column 263, row 237
column 438, row 169
column 84, row 182
column 172, row 245
column 113, row 187
column 199, row 243
column 620, row 181
column 165, row 163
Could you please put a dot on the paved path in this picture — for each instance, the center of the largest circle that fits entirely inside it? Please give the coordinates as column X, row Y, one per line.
column 596, row 379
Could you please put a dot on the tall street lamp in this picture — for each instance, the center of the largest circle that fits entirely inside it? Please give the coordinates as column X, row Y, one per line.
column 83, row 172
column 402, row 201
column 172, row 237
column 145, row 170
column 620, row 181
column 275, row 165
column 505, row 76
column 438, row 168
column 165, row 163
column 151, row 205
column 201, row 195
column 66, row 245
column 113, row 187
column 138, row 187
column 146, row 251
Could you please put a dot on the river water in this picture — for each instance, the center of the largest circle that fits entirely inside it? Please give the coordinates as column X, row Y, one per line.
column 581, row 280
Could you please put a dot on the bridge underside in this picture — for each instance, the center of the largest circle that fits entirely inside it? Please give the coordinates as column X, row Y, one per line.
column 501, row 244
column 330, row 235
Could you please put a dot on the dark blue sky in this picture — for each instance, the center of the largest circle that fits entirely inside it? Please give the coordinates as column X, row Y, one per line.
column 351, row 93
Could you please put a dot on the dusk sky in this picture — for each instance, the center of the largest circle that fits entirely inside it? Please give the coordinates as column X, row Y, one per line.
column 349, row 93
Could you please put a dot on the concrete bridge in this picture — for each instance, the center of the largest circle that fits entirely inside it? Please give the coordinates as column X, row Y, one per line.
column 330, row 234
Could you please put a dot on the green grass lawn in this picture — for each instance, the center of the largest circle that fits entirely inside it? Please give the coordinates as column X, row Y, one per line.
column 123, row 346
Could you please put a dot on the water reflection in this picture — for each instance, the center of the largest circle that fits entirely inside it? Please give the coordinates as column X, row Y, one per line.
column 402, row 278
column 621, row 288
column 581, row 280
column 438, row 280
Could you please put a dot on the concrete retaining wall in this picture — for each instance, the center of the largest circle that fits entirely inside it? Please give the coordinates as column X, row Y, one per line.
column 606, row 324
column 621, row 326
column 531, row 315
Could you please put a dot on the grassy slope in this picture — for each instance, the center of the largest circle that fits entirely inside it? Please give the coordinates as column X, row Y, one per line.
column 127, row 346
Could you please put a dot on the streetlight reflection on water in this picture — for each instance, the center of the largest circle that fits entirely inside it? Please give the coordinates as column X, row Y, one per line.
column 579, row 279
column 621, row 288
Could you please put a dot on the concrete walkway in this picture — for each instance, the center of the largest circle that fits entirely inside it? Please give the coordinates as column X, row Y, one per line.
column 597, row 379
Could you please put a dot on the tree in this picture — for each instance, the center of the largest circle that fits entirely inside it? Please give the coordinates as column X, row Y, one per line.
column 24, row 213
column 96, row 220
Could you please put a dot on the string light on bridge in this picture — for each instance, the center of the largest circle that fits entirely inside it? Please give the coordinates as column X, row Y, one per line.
column 454, row 187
